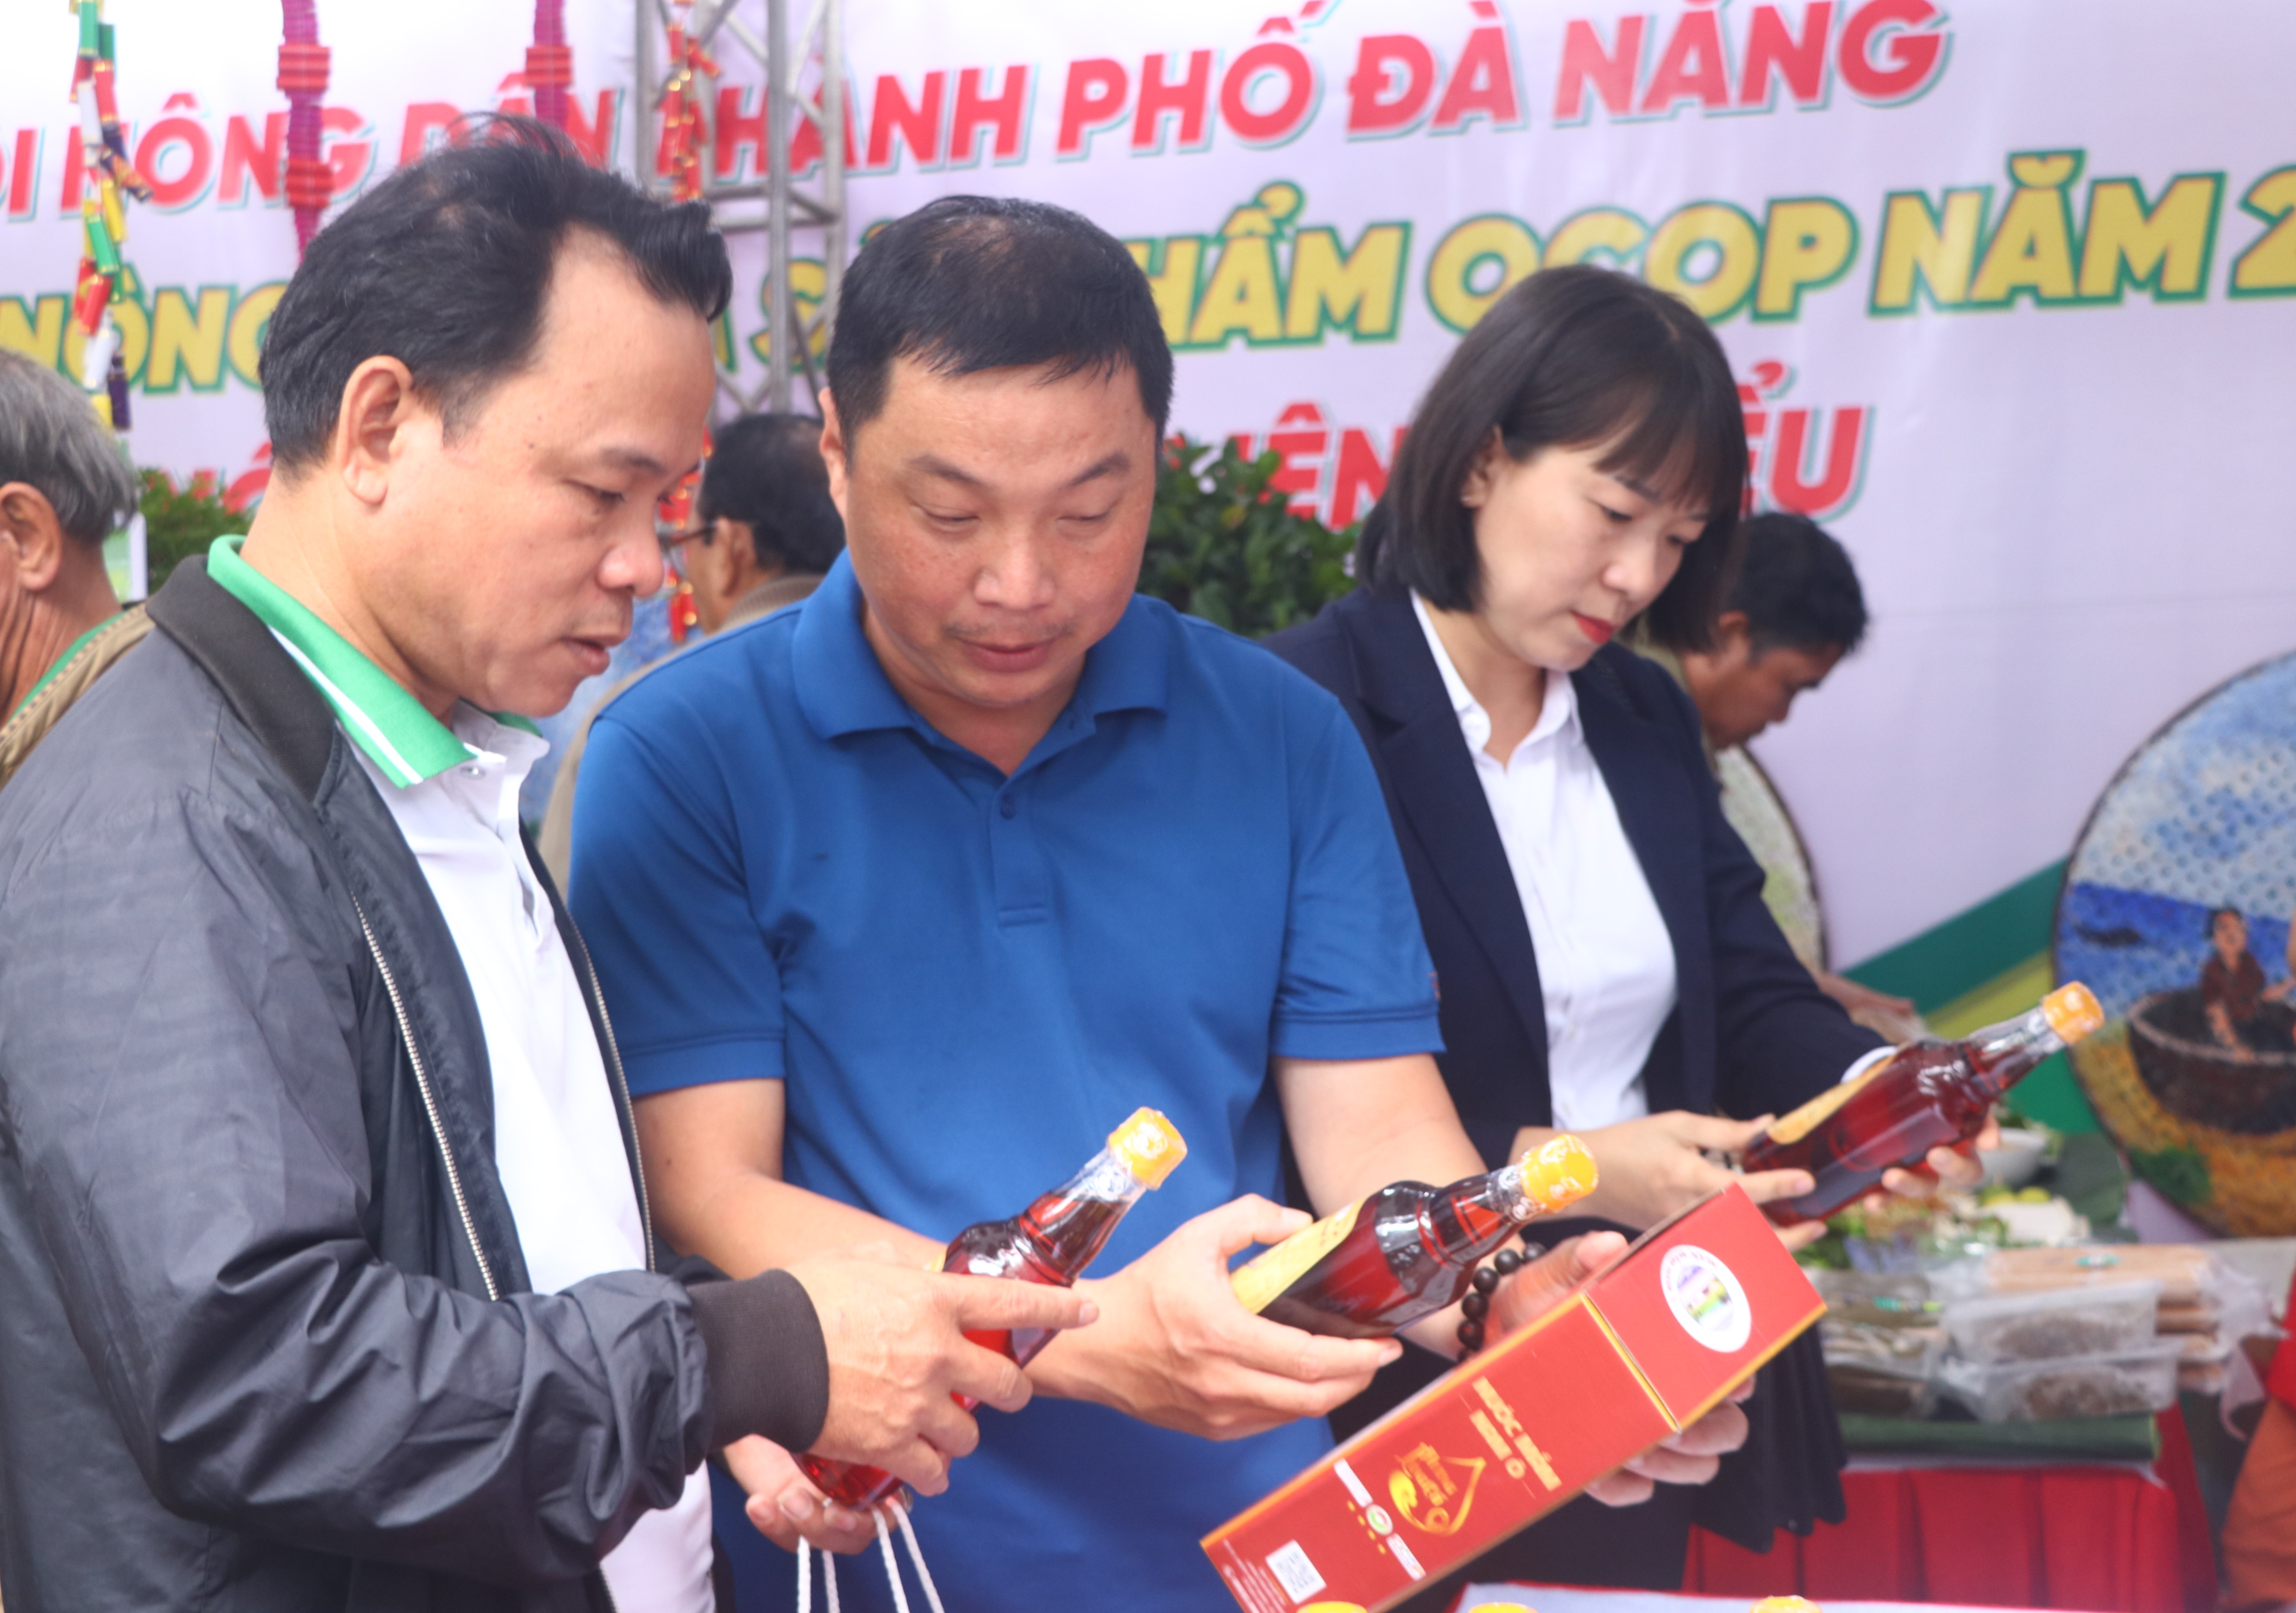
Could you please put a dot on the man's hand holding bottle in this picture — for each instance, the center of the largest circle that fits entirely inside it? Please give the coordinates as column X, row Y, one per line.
column 898, row 1353
column 897, row 1350
column 1175, row 1349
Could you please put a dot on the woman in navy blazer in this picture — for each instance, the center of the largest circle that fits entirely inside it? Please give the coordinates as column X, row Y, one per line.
column 1575, row 467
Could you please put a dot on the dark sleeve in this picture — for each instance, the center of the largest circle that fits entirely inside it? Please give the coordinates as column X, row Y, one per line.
column 180, row 1035
column 1779, row 1040
column 1494, row 1139
column 768, row 1363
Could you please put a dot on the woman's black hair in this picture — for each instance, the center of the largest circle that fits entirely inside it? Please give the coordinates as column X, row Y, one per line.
column 1572, row 357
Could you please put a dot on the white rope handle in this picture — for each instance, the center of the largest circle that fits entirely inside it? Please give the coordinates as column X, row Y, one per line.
column 917, row 1556
column 892, row 1563
column 804, row 1578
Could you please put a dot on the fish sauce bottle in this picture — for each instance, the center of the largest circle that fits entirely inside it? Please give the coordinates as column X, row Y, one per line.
column 1408, row 1250
column 1928, row 1094
column 1052, row 1241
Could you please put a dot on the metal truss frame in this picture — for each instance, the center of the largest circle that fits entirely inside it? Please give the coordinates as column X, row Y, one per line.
column 774, row 204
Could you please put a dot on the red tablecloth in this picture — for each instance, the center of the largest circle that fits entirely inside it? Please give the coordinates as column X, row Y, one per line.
column 2108, row 1539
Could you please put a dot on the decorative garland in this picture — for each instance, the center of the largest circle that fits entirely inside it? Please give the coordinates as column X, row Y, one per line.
column 103, row 153
column 681, row 157
column 550, row 63
column 303, row 75
column 681, row 110
column 676, row 512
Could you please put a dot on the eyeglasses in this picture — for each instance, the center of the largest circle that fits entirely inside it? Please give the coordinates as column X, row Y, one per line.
column 673, row 545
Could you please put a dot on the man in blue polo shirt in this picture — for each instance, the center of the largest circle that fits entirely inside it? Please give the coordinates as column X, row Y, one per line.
column 904, row 897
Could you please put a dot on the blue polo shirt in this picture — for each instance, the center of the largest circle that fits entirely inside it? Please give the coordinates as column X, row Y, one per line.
column 966, row 979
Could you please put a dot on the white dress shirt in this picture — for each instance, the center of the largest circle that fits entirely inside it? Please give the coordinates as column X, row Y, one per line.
column 558, row 1139
column 1605, row 959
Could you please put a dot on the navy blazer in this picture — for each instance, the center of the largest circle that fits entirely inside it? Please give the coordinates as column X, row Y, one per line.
column 1750, row 1034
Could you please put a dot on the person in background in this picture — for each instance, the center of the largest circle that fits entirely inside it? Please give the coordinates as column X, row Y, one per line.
column 1794, row 610
column 902, row 898
column 64, row 487
column 2259, row 1532
column 1607, row 964
column 765, row 526
column 765, row 530
column 2231, row 982
column 327, row 1277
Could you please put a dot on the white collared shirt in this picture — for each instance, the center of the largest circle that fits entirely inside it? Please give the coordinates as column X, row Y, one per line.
column 1605, row 959
column 558, row 1139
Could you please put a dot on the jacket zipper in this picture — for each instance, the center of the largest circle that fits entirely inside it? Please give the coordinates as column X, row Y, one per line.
column 430, row 1099
column 638, row 1161
column 446, row 1151
column 621, row 1088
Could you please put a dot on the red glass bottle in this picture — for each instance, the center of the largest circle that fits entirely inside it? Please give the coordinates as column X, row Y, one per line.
column 1052, row 1241
column 1926, row 1095
column 1408, row 1250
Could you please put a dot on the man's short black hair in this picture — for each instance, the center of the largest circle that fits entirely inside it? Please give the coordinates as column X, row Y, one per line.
column 766, row 471
column 1572, row 357
column 1796, row 586
column 445, row 266
column 967, row 284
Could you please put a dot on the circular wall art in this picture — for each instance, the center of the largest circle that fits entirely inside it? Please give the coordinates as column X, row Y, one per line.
column 2175, row 909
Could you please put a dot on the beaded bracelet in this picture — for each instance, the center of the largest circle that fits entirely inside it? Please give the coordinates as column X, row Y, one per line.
column 1477, row 1305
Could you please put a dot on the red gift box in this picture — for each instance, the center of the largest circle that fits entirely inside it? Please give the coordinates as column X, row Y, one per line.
column 1657, row 1340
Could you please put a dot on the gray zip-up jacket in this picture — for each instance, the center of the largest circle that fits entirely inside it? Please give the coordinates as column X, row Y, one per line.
column 267, row 1339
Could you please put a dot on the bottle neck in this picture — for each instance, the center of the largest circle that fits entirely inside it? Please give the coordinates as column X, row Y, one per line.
column 1471, row 1218
column 1074, row 1222
column 2002, row 1054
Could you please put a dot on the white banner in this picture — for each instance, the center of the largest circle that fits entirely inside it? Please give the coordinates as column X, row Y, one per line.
column 2009, row 291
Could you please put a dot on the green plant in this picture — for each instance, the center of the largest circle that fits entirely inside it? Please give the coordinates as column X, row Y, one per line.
column 2178, row 1171
column 177, row 525
column 1224, row 546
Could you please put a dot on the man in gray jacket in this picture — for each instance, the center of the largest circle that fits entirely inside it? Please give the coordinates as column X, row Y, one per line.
column 326, row 1273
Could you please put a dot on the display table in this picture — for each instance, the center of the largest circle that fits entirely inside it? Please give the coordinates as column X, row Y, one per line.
column 2111, row 1537
column 1559, row 1599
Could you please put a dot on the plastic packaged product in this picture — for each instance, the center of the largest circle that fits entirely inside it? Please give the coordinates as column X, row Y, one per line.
column 1874, row 1391
column 1858, row 1343
column 2053, row 1322
column 2182, row 1269
column 1896, row 1299
column 2207, row 1302
column 2121, row 1384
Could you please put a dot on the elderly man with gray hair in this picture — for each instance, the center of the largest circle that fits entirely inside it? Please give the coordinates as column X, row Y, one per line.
column 63, row 486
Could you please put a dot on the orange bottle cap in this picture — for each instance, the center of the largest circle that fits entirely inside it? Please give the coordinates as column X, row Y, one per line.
column 2073, row 1012
column 1149, row 1145
column 1558, row 1172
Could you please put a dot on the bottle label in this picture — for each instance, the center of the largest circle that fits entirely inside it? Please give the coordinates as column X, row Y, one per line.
column 1808, row 1118
column 1259, row 1281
